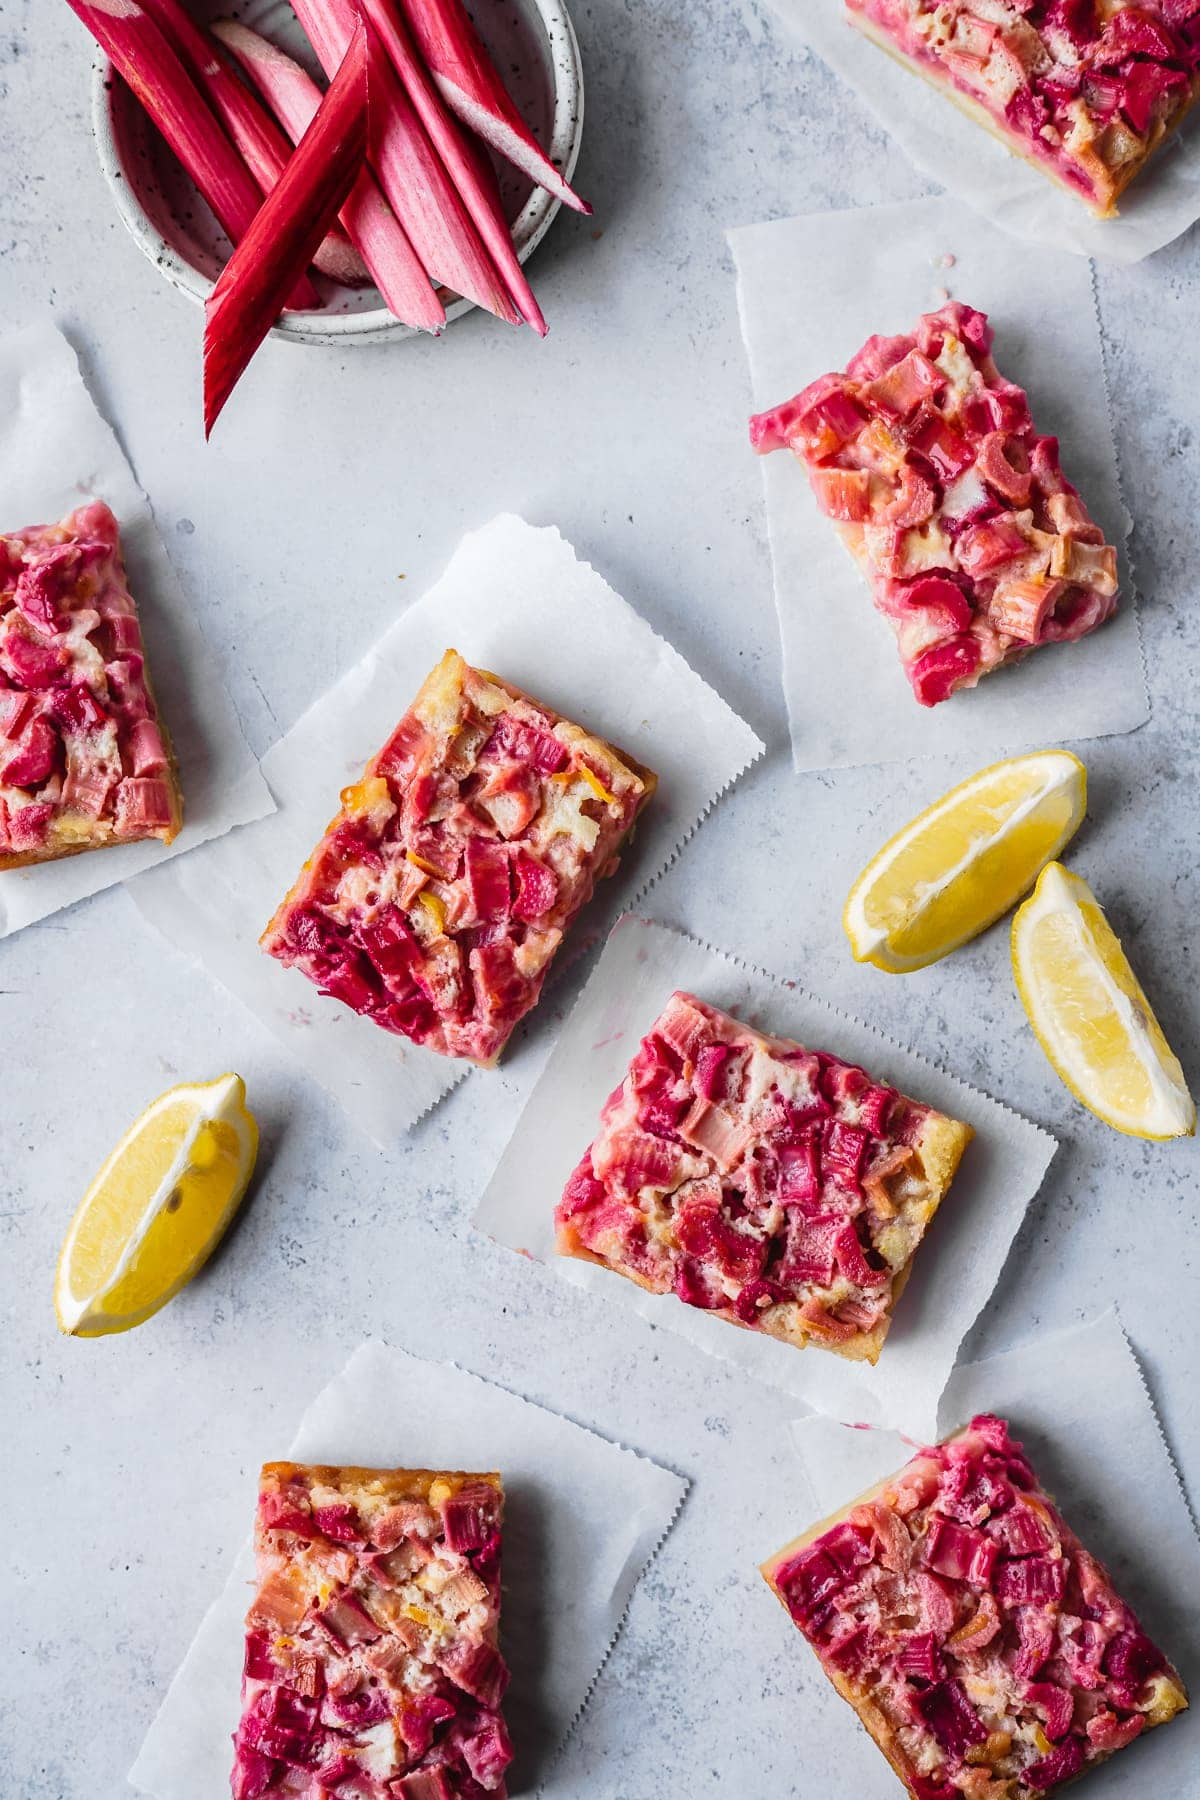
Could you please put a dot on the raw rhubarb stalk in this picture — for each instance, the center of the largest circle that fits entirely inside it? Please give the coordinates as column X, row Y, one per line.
column 477, row 188
column 410, row 172
column 290, row 224
column 473, row 90
column 263, row 147
column 370, row 223
column 152, row 70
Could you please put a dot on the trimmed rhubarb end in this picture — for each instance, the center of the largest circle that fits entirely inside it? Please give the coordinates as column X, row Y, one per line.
column 472, row 88
column 410, row 172
column 369, row 222
column 256, row 136
column 149, row 64
column 293, row 219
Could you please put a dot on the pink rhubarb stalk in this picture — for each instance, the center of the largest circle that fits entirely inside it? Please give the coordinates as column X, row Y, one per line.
column 291, row 222
column 263, row 147
column 473, row 90
column 370, row 223
column 154, row 73
column 475, row 183
column 417, row 186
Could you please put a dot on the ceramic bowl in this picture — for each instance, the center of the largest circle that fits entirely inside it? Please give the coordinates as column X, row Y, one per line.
column 533, row 42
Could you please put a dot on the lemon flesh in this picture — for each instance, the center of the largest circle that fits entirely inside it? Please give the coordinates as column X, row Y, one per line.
column 157, row 1209
column 963, row 862
column 1089, row 1013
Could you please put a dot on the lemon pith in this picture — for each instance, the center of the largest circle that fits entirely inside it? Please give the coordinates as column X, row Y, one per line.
column 1090, row 1015
column 157, row 1208
column 963, row 862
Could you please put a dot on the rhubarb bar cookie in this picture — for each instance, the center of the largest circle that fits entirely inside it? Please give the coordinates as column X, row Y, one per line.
column 976, row 546
column 439, row 894
column 776, row 1187
column 371, row 1664
column 1085, row 90
column 984, row 1649
column 84, row 758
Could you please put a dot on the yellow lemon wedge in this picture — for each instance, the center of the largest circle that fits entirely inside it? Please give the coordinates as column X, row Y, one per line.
column 1090, row 1015
column 963, row 862
column 157, row 1209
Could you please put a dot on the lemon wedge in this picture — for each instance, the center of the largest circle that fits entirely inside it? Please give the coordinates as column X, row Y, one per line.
column 963, row 862
column 157, row 1209
column 1090, row 1015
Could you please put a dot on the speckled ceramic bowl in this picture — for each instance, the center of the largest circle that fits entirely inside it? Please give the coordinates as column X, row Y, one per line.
column 533, row 41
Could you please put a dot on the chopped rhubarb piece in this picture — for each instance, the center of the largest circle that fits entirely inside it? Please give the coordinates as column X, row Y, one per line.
column 472, row 88
column 957, row 1706
column 293, row 219
column 1085, row 93
column 734, row 1171
column 469, row 1517
column 369, row 222
column 436, row 901
column 358, row 1686
column 951, row 1718
column 84, row 760
column 975, row 545
column 410, row 172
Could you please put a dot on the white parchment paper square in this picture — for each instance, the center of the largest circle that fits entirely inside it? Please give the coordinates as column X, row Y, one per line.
column 56, row 453
column 956, row 1267
column 515, row 599
column 1078, row 1401
column 810, row 292
column 960, row 155
column 582, row 1519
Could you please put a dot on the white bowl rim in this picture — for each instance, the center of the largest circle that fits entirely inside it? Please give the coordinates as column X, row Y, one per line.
column 529, row 227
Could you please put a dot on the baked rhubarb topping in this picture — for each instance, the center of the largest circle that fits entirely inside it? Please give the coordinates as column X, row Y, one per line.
column 976, row 546
column 84, row 760
column 984, row 1649
column 1084, row 89
column 371, row 1666
column 441, row 891
column 773, row 1186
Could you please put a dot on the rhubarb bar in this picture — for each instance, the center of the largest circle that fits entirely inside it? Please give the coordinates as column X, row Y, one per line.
column 984, row 1649
column 1085, row 90
column 441, row 891
column 84, row 758
column 371, row 1662
column 772, row 1186
column 976, row 546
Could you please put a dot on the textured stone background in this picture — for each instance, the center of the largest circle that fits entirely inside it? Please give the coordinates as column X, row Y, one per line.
column 132, row 1460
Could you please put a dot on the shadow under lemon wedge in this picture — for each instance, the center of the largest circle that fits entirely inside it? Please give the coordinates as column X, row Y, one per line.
column 1089, row 1014
column 157, row 1209
column 965, row 861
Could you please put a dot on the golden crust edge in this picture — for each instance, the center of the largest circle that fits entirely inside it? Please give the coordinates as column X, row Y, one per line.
column 397, row 1483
